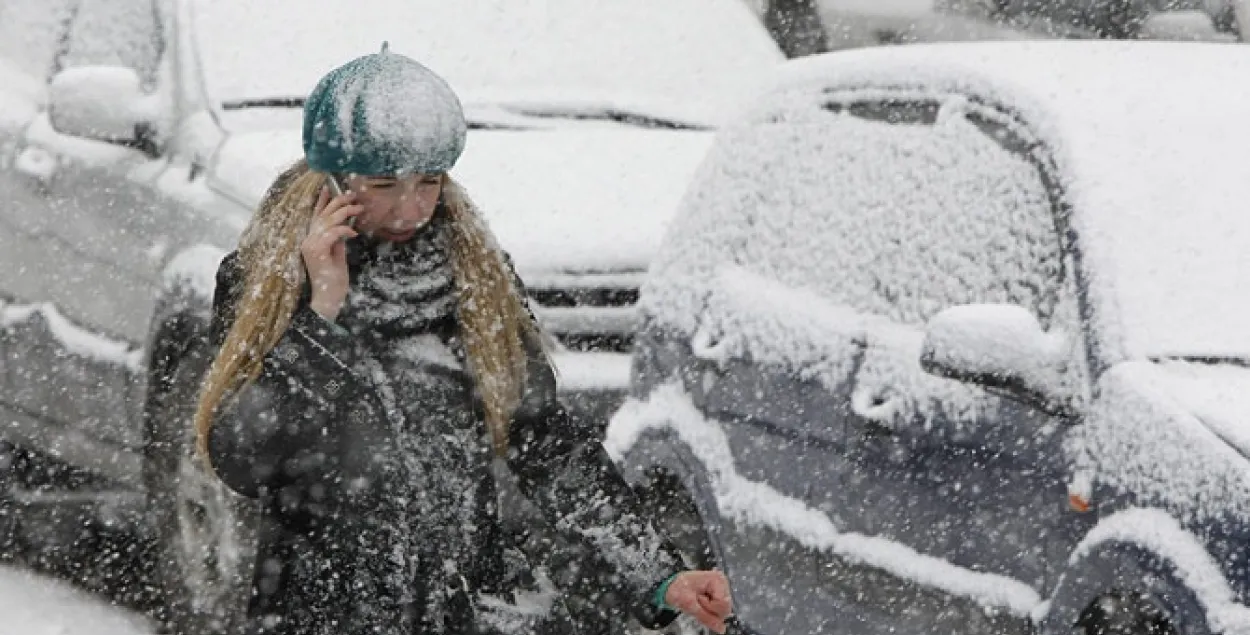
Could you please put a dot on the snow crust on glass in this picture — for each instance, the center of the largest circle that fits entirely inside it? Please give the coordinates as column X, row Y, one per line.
column 765, row 247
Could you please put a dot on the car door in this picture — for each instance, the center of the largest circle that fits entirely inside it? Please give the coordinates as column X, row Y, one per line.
column 946, row 468
column 81, row 238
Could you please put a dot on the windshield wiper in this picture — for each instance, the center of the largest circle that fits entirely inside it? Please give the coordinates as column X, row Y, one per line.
column 298, row 102
column 1230, row 360
column 268, row 102
column 605, row 114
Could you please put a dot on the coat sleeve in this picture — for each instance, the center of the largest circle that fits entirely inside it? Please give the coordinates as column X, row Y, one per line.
column 274, row 436
column 567, row 473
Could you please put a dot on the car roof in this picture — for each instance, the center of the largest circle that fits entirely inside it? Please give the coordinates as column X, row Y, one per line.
column 1149, row 140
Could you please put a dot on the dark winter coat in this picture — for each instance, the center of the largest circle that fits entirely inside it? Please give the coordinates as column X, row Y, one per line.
column 309, row 438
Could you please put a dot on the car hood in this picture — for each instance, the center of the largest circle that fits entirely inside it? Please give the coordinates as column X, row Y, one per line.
column 584, row 199
column 1218, row 395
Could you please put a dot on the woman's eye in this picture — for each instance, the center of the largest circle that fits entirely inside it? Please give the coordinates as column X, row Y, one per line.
column 381, row 186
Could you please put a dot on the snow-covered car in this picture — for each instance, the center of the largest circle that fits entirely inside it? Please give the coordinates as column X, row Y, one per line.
column 167, row 119
column 1205, row 20
column 950, row 338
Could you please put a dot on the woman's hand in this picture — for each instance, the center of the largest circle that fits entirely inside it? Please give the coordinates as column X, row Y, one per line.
column 325, row 255
column 703, row 595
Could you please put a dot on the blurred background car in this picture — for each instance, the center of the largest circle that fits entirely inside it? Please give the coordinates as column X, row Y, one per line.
column 805, row 27
column 157, row 128
column 949, row 338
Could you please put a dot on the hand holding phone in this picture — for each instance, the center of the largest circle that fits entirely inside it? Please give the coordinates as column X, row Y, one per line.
column 324, row 251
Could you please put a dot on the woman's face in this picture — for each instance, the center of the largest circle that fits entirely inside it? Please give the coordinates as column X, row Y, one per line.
column 395, row 207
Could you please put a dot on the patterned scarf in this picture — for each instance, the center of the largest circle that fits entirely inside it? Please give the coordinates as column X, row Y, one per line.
column 402, row 289
column 402, row 303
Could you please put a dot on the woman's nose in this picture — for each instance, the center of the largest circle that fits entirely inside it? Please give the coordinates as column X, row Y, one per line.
column 410, row 209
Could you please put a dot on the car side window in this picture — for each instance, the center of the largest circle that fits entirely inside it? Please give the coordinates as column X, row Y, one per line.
column 911, row 207
column 885, row 211
column 112, row 33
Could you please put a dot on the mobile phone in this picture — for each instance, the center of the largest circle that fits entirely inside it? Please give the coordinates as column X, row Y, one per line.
column 337, row 189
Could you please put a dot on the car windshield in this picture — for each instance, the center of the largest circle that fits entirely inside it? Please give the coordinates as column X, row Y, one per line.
column 542, row 50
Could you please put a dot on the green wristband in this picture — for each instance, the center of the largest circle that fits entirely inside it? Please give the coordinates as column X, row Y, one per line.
column 663, row 591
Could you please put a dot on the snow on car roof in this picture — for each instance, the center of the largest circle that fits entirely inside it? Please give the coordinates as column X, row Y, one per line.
column 705, row 49
column 1148, row 138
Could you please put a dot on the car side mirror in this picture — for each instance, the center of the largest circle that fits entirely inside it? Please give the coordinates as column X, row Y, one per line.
column 1001, row 347
column 103, row 103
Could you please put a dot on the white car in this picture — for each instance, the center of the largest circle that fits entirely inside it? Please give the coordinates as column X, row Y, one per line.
column 167, row 119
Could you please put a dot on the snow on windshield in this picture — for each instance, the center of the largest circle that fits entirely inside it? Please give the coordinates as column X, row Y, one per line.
column 702, row 48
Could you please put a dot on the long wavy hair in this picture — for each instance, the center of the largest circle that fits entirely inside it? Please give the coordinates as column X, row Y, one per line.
column 494, row 322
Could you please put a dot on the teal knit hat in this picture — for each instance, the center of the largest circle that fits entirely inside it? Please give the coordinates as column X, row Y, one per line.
column 383, row 114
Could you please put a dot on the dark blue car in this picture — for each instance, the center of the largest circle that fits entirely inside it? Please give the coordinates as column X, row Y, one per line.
column 952, row 339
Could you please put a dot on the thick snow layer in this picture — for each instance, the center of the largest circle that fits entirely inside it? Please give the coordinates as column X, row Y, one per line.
column 708, row 50
column 751, row 317
column 410, row 112
column 35, row 605
column 592, row 371
column 29, row 34
column 195, row 269
column 21, row 96
column 1142, row 134
column 74, row 338
column 1161, row 534
column 1144, row 435
column 900, row 221
column 1000, row 339
column 594, row 219
column 756, row 503
column 1217, row 394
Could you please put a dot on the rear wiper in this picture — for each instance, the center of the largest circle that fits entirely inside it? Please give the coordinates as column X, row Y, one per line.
column 298, row 102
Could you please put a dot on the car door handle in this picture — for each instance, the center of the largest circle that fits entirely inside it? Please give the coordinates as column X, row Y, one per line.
column 882, row 406
column 36, row 163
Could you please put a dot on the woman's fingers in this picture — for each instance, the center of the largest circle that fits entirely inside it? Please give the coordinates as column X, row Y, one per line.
column 340, row 215
column 322, row 242
column 720, row 606
column 704, row 595
column 323, row 199
column 710, row 620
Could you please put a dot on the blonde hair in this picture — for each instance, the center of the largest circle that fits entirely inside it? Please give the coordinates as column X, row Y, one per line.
column 495, row 324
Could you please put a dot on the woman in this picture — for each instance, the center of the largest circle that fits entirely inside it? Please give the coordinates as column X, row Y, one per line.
column 376, row 354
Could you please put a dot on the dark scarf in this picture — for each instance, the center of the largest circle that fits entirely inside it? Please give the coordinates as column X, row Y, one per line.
column 402, row 303
column 401, row 289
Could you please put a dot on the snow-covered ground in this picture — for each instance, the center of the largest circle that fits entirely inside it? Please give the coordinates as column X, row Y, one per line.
column 32, row 604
